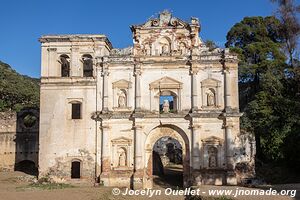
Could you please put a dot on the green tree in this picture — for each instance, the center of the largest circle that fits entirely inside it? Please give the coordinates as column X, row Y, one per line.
column 269, row 87
column 258, row 44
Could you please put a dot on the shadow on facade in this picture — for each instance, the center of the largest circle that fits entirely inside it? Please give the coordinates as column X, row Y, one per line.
column 27, row 141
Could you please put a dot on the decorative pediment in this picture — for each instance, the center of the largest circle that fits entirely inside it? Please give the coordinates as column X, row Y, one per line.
column 165, row 19
column 213, row 140
column 122, row 84
column 210, row 82
column 121, row 141
column 165, row 83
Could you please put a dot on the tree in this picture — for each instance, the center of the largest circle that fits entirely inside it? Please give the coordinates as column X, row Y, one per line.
column 269, row 89
column 258, row 44
column 290, row 27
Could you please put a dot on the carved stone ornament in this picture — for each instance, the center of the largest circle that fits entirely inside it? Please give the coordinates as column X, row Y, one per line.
column 165, row 19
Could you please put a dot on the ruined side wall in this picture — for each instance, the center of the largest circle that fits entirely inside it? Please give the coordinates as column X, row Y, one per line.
column 18, row 141
column 8, row 122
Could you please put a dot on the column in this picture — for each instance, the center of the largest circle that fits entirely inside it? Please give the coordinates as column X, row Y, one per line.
column 229, row 145
column 137, row 74
column 196, row 146
column 105, row 75
column 230, row 175
column 227, row 89
column 194, row 90
column 98, row 150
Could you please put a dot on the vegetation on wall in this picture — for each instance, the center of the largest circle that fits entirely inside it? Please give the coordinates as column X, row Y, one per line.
column 17, row 91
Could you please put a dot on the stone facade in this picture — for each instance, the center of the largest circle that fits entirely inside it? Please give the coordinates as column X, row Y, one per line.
column 101, row 107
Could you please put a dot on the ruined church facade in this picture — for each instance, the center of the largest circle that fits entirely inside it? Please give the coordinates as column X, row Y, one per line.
column 102, row 109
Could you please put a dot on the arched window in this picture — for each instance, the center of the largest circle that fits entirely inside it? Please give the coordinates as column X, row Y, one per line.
column 87, row 60
column 75, row 169
column 167, row 102
column 65, row 65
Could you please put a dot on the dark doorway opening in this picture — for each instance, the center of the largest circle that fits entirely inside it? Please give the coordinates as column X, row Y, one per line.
column 75, row 169
column 167, row 163
column 27, row 166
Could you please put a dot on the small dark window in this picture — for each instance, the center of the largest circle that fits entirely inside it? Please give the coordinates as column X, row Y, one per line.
column 87, row 65
column 76, row 110
column 75, row 169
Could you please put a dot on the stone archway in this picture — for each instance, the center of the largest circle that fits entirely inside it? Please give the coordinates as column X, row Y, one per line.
column 154, row 135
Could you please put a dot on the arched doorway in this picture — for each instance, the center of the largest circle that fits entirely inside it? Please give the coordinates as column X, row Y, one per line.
column 167, row 168
column 26, row 166
column 175, row 133
column 75, row 169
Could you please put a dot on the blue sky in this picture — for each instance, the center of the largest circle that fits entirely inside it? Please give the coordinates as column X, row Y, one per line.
column 23, row 22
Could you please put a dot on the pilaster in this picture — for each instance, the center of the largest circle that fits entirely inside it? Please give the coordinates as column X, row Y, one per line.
column 105, row 153
column 139, row 141
column 105, row 74
column 53, row 70
column 196, row 146
column 137, row 74
column 75, row 69
column 194, row 74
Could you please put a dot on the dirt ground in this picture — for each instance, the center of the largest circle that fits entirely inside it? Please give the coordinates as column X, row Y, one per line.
column 14, row 187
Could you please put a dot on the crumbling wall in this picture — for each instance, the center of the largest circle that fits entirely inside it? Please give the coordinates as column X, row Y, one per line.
column 245, row 157
column 61, row 170
column 19, row 140
column 8, row 123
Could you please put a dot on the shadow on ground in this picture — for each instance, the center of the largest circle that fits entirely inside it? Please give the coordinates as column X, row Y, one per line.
column 172, row 177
